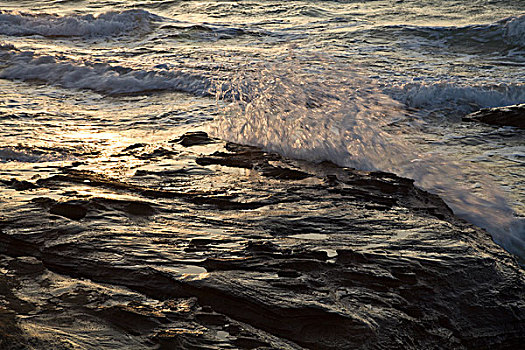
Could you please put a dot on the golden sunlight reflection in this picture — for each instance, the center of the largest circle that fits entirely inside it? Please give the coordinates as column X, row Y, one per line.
column 108, row 142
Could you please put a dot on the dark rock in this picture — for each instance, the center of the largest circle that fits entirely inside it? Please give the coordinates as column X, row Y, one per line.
column 227, row 159
column 233, row 329
column 27, row 265
column 288, row 273
column 504, row 116
column 249, row 343
column 194, row 138
column 134, row 320
column 158, row 153
column 254, row 151
column 10, row 333
column 213, row 319
column 177, row 172
column 223, row 203
column 284, row 173
column 347, row 260
column 199, row 242
column 69, row 210
column 252, row 158
column 19, row 185
column 139, row 208
column 134, row 146
column 262, row 247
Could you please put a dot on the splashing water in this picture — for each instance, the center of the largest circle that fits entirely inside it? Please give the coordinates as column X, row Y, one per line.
column 323, row 110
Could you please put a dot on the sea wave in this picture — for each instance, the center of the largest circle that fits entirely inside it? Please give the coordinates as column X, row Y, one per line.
column 506, row 34
column 26, row 155
column 509, row 30
column 456, row 99
column 99, row 77
column 50, row 25
column 327, row 111
column 210, row 32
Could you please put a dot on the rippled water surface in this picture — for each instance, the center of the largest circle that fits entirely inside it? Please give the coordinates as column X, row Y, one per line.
column 377, row 85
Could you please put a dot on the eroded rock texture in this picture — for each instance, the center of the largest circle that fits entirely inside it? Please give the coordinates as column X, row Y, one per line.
column 237, row 248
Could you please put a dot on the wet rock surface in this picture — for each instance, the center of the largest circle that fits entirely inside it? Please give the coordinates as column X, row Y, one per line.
column 503, row 116
column 69, row 210
column 194, row 138
column 19, row 185
column 236, row 248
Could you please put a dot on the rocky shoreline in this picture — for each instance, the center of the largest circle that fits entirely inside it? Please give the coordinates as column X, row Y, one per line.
column 216, row 245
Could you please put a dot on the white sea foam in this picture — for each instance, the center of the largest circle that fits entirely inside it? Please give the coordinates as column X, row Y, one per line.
column 105, row 24
column 326, row 111
column 98, row 77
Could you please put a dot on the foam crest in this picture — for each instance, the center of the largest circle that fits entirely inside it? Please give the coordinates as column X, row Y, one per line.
column 99, row 77
column 105, row 24
column 327, row 111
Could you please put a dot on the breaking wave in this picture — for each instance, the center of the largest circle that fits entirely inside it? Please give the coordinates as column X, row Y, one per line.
column 49, row 25
column 455, row 98
column 327, row 111
column 99, row 77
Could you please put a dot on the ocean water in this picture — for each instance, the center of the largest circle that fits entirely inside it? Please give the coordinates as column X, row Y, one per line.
column 373, row 85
